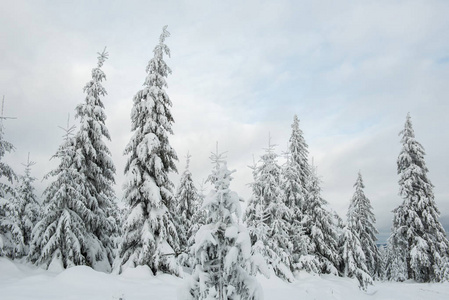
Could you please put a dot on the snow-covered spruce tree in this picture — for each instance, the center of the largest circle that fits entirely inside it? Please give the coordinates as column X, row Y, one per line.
column 267, row 205
column 222, row 249
column 116, row 216
column 199, row 218
column 61, row 239
column 320, row 231
column 296, row 171
column 294, row 195
column 353, row 261
column 24, row 212
column 6, row 172
column 294, row 184
column 355, row 250
column 94, row 163
column 186, row 210
column 254, row 213
column 362, row 220
column 254, row 217
column 395, row 265
column 150, row 236
column 417, row 235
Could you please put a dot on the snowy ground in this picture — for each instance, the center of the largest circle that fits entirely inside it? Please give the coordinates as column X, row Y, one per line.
column 21, row 281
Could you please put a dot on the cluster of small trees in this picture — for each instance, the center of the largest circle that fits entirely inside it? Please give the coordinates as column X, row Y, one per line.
column 286, row 227
column 291, row 227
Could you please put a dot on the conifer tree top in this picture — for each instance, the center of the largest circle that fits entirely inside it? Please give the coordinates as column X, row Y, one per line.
column 5, row 146
column 408, row 129
column 359, row 182
column 28, row 166
column 188, row 157
column 411, row 158
column 102, row 57
column 298, row 146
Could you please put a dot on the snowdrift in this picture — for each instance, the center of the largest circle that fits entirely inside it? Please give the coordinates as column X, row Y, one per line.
column 20, row 281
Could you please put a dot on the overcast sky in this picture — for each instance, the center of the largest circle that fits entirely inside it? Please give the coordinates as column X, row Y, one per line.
column 350, row 70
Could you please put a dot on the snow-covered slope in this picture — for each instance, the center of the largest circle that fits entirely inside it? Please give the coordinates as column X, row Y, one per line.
column 19, row 281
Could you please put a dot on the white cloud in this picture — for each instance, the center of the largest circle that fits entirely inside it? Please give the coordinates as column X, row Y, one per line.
column 350, row 70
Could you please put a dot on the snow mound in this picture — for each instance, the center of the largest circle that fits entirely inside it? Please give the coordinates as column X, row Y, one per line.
column 79, row 274
column 19, row 281
column 139, row 272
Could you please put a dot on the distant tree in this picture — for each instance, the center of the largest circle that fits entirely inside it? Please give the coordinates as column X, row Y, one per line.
column 395, row 264
column 320, row 232
column 338, row 221
column 202, row 191
column 187, row 211
column 24, row 212
column 267, row 206
column 187, row 203
column 61, row 239
column 117, row 217
column 6, row 172
column 383, row 254
column 95, row 165
column 362, row 220
column 222, row 249
column 200, row 216
column 417, row 238
column 150, row 236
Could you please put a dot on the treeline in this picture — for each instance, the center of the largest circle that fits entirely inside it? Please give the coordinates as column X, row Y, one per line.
column 286, row 228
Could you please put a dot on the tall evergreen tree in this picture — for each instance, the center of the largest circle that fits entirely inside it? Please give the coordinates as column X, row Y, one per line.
column 417, row 235
column 222, row 249
column 149, row 232
column 61, row 239
column 297, row 164
column 24, row 212
column 362, row 220
column 319, row 230
column 94, row 161
column 6, row 172
column 268, row 206
column 294, row 184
